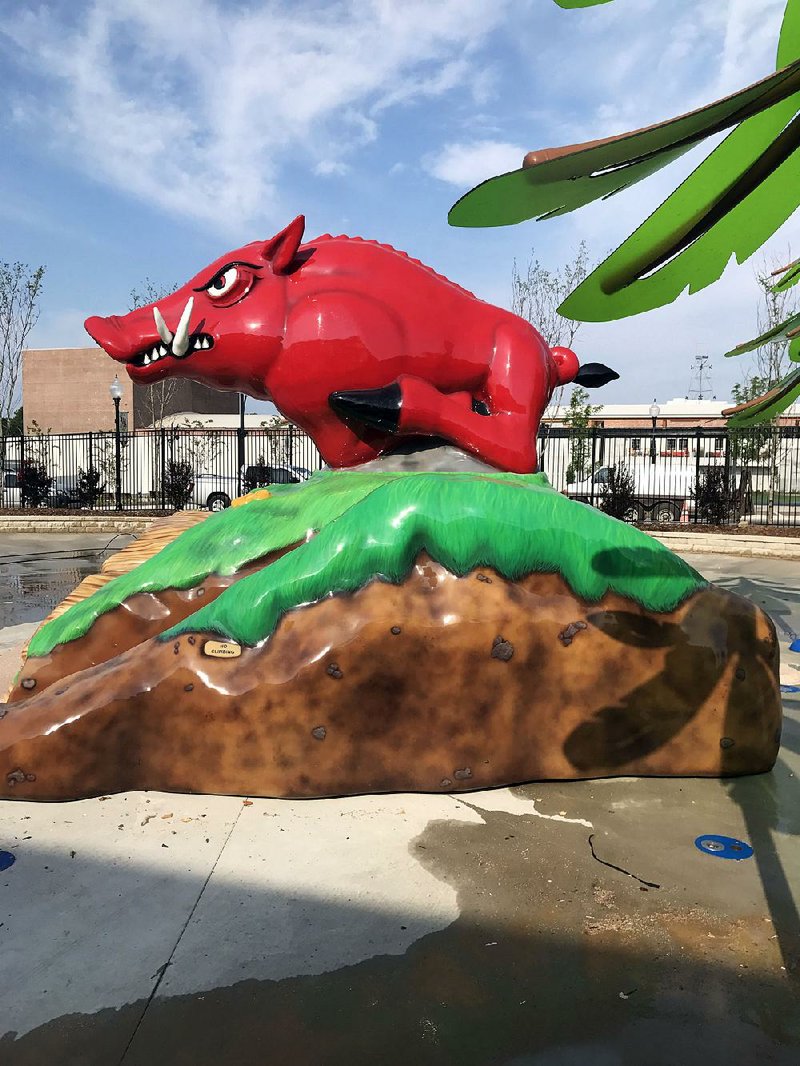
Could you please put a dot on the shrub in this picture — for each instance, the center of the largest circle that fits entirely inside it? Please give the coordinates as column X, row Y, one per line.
column 89, row 488
column 714, row 497
column 178, row 483
column 34, row 483
column 619, row 494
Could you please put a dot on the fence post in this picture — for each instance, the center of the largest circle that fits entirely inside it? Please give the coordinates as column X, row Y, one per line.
column 729, row 479
column 163, row 458
column 697, row 440
column 594, row 460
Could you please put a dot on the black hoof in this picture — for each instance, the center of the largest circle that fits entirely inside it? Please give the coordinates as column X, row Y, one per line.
column 379, row 408
column 594, row 375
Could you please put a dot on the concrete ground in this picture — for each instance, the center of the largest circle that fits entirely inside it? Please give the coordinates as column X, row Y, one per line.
column 37, row 572
column 546, row 925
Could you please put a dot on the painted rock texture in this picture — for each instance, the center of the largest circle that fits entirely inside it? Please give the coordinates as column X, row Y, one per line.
column 440, row 683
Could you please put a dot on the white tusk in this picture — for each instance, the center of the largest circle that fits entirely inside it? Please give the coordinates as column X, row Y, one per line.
column 180, row 344
column 161, row 326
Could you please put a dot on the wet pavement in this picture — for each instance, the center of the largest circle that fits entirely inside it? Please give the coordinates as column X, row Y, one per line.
column 37, row 573
column 553, row 924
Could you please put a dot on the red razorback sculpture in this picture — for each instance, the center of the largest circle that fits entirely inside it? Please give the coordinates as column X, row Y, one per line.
column 358, row 344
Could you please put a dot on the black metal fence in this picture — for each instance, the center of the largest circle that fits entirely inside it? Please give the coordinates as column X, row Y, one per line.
column 692, row 475
column 696, row 475
column 151, row 469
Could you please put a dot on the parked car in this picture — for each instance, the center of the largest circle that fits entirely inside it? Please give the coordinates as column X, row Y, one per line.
column 10, row 496
column 215, row 491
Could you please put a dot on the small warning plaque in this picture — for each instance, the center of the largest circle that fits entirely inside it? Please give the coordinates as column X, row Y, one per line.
column 222, row 649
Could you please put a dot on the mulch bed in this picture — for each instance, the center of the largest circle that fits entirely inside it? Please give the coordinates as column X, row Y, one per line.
column 729, row 531
column 64, row 512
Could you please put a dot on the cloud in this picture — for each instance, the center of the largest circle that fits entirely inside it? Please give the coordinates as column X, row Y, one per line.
column 198, row 106
column 331, row 167
column 466, row 164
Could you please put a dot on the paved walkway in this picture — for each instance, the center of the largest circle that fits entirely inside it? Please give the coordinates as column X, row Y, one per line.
column 557, row 924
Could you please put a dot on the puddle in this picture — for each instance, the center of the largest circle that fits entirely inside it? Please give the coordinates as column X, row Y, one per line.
column 30, row 588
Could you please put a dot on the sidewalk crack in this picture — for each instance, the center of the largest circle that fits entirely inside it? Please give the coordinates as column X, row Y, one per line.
column 159, row 974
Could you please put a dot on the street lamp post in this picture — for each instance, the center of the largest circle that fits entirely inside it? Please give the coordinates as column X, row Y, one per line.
column 116, row 395
column 240, row 447
column 655, row 411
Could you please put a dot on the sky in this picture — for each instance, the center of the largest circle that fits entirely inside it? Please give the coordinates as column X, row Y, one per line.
column 144, row 140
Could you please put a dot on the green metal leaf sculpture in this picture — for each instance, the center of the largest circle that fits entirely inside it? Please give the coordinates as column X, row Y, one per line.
column 769, row 405
column 555, row 181
column 730, row 205
column 787, row 330
column 791, row 276
column 569, row 4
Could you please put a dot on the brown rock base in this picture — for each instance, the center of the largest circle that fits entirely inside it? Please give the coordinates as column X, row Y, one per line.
column 438, row 684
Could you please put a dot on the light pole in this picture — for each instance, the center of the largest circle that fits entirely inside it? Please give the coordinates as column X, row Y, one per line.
column 116, row 395
column 655, row 411
column 240, row 446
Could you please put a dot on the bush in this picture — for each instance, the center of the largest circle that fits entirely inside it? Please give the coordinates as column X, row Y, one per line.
column 34, row 483
column 178, row 483
column 714, row 497
column 89, row 488
column 619, row 494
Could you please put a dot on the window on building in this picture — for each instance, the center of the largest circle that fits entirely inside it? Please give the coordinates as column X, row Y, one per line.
column 683, row 444
column 672, row 444
column 636, row 444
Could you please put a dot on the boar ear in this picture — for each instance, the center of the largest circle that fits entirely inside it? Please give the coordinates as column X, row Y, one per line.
column 280, row 250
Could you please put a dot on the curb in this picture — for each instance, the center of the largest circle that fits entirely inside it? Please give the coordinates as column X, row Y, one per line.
column 741, row 545
column 69, row 524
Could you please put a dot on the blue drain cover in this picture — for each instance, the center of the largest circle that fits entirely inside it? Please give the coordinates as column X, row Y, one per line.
column 723, row 847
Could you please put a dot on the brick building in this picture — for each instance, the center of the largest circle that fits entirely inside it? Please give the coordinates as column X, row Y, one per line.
column 65, row 390
column 673, row 414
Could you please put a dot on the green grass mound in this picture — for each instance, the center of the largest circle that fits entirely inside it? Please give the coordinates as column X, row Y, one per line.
column 372, row 526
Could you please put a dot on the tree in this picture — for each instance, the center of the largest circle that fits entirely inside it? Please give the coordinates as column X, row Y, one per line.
column 770, row 361
column 20, row 289
column 13, row 427
column 156, row 398
column 577, row 419
column 761, row 444
column 536, row 296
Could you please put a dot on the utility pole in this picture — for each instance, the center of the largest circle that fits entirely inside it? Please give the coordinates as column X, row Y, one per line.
column 700, row 385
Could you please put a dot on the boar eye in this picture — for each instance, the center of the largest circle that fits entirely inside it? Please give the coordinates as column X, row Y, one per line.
column 222, row 283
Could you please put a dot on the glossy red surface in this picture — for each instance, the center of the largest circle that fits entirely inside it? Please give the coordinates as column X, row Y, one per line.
column 298, row 322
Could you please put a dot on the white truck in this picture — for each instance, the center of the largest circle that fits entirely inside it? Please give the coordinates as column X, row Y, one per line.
column 662, row 494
